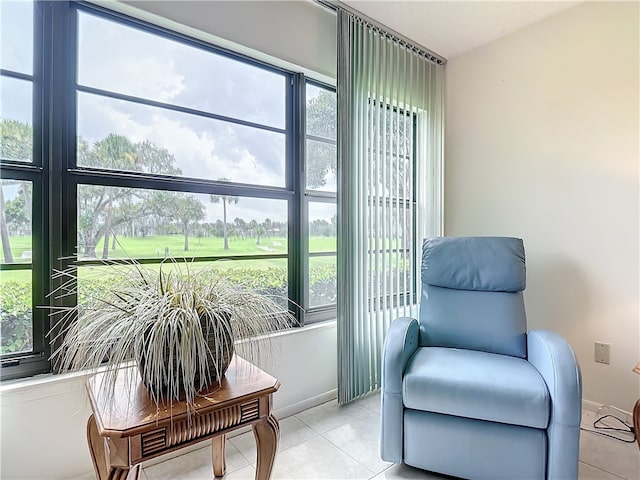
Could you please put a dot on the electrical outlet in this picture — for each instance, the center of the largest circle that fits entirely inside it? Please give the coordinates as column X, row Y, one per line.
column 602, row 351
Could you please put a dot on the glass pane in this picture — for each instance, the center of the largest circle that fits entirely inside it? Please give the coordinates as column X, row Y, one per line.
column 321, row 166
column 16, row 321
column 322, row 281
column 322, row 227
column 390, row 256
column 16, row 37
column 398, row 222
column 397, row 267
column 15, row 221
column 266, row 276
column 322, row 238
column 393, row 152
column 122, row 135
column 393, row 178
column 164, row 70
column 16, row 132
column 393, row 129
column 321, row 112
column 140, row 223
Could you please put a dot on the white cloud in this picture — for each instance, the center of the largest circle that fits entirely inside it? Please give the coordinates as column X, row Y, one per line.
column 121, row 59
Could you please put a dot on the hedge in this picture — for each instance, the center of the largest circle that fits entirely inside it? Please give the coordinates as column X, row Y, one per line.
column 15, row 298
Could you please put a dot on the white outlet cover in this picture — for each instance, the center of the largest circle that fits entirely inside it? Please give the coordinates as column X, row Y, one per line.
column 602, row 352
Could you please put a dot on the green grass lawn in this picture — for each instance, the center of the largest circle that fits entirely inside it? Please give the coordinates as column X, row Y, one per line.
column 146, row 247
column 20, row 248
column 20, row 276
column 154, row 247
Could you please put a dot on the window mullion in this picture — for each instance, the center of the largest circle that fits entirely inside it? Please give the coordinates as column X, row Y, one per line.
column 298, row 242
column 60, row 118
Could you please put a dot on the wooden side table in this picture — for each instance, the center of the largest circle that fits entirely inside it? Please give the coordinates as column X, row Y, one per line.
column 133, row 430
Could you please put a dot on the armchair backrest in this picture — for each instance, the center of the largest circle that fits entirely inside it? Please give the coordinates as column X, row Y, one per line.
column 472, row 294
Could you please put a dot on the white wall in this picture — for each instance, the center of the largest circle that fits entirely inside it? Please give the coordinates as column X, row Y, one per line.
column 300, row 35
column 44, row 419
column 542, row 140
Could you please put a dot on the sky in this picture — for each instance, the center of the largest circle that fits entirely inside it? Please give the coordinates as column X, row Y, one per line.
column 125, row 60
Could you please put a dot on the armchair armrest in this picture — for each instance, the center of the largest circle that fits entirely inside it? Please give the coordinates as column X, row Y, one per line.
column 400, row 344
column 552, row 356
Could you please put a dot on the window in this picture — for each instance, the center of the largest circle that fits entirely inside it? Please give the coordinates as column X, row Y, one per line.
column 22, row 216
column 320, row 196
column 393, row 204
column 125, row 140
column 190, row 161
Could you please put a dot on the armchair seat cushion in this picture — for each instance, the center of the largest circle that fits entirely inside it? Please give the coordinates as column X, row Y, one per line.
column 478, row 385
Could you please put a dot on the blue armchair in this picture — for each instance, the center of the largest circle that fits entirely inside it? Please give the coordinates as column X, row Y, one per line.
column 466, row 391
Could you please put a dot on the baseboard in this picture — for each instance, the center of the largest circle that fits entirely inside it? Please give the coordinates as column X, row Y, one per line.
column 289, row 410
column 590, row 406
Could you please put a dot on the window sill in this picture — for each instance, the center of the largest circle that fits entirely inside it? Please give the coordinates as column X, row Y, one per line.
column 31, row 388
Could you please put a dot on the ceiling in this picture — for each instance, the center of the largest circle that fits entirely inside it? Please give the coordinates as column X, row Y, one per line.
column 451, row 28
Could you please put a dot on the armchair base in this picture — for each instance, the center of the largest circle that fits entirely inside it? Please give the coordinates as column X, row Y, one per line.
column 471, row 448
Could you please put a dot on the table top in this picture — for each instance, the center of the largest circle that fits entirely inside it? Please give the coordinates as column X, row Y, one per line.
column 133, row 409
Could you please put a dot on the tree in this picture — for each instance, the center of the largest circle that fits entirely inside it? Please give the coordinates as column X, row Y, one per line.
column 4, row 231
column 216, row 229
column 321, row 228
column 17, row 140
column 15, row 212
column 187, row 211
column 117, row 152
column 155, row 159
column 16, row 143
column 260, row 231
column 101, row 210
column 225, row 199
column 256, row 230
column 240, row 226
column 267, row 227
column 184, row 209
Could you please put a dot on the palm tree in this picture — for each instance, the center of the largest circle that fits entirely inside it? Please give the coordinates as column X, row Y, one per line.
column 241, row 226
column 267, row 227
column 225, row 199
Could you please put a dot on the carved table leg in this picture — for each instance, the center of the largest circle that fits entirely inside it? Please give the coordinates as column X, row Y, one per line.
column 97, row 449
column 267, row 433
column 124, row 474
column 218, row 455
column 99, row 455
column 135, row 473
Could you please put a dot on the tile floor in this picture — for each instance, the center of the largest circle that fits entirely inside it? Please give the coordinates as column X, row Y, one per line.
column 332, row 442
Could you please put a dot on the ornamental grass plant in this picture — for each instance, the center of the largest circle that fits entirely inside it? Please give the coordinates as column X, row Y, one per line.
column 179, row 322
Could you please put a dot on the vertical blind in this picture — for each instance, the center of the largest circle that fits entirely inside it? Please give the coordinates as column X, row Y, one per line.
column 389, row 189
